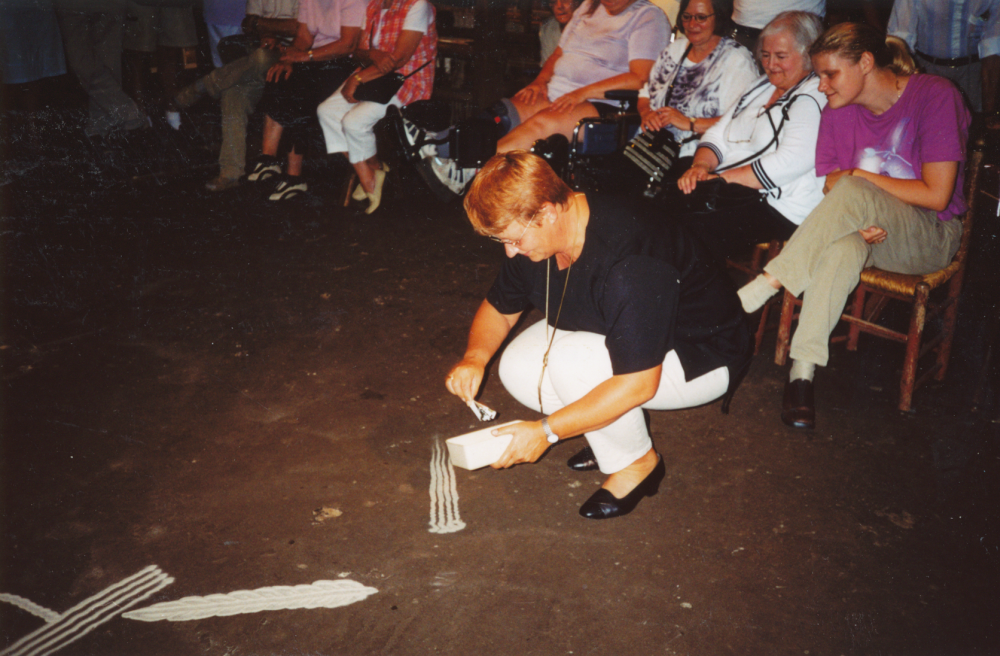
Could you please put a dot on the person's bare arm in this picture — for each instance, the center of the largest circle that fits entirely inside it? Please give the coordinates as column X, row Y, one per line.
column 602, row 406
column 701, row 169
column 489, row 329
column 385, row 63
column 538, row 90
column 345, row 45
column 933, row 191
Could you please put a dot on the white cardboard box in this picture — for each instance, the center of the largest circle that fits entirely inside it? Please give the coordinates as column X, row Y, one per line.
column 478, row 448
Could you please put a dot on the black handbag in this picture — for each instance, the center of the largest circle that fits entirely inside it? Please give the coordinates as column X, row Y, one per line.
column 382, row 89
column 656, row 152
column 715, row 195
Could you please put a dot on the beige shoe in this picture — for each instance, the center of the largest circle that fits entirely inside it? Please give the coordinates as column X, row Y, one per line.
column 359, row 192
column 375, row 197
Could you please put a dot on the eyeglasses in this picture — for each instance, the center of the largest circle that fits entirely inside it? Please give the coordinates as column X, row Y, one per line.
column 695, row 18
column 511, row 242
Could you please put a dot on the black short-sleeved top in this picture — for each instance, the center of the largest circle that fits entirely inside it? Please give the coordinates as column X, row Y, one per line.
column 644, row 283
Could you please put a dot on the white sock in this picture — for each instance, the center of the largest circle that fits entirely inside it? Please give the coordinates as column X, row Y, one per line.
column 801, row 370
column 755, row 293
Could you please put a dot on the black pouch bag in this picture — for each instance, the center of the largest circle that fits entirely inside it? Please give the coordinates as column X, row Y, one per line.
column 382, row 89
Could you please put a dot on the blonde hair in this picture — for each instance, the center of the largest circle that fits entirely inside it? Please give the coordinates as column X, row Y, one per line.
column 851, row 40
column 511, row 187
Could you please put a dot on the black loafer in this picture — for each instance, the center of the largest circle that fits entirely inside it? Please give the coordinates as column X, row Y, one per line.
column 583, row 461
column 604, row 505
column 798, row 407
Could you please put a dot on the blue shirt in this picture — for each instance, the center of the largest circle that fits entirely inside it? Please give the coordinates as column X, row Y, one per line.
column 948, row 28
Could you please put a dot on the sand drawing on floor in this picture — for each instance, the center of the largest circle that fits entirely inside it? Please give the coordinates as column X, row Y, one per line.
column 444, row 493
column 320, row 594
column 62, row 629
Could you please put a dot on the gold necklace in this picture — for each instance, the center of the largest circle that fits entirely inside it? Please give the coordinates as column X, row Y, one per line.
column 545, row 358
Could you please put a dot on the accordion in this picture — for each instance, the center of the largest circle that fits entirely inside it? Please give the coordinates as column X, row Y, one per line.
column 653, row 152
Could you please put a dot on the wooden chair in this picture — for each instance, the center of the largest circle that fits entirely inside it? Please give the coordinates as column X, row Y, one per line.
column 877, row 287
column 763, row 253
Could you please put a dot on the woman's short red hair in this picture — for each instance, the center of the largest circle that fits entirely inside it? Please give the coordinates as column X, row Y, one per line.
column 512, row 186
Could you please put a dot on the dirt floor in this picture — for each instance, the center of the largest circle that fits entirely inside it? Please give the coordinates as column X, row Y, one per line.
column 248, row 395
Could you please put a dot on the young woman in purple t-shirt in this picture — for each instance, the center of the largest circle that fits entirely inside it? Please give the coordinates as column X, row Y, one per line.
column 891, row 145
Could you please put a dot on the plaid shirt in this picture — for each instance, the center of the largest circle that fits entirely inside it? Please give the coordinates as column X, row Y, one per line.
column 419, row 86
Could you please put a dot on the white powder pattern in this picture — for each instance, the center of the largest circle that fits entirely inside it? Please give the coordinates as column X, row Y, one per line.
column 444, row 493
column 90, row 613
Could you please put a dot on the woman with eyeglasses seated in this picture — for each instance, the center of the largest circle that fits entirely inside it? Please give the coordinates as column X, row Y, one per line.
column 762, row 152
column 697, row 77
column 892, row 150
column 637, row 316
column 607, row 45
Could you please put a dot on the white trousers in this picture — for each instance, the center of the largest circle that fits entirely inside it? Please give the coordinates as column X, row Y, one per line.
column 579, row 362
column 348, row 127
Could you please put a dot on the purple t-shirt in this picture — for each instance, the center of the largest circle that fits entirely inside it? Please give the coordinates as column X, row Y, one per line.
column 929, row 123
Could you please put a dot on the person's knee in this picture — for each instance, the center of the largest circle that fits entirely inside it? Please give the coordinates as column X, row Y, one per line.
column 580, row 356
column 852, row 189
column 356, row 123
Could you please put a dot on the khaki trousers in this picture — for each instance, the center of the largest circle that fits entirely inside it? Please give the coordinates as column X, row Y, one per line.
column 825, row 256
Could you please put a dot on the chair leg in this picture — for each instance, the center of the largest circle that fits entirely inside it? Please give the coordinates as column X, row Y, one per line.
column 948, row 326
column 761, row 327
column 913, row 338
column 857, row 309
column 784, row 329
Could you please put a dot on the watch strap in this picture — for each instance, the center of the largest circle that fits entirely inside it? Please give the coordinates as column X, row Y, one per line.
column 549, row 435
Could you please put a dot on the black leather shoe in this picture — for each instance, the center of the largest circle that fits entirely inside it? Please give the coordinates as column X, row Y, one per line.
column 583, row 461
column 798, row 408
column 604, row 505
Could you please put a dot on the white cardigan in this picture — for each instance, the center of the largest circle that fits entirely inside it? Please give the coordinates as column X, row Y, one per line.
column 787, row 168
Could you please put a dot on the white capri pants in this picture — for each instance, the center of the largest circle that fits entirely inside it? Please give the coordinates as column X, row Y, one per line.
column 579, row 362
column 349, row 127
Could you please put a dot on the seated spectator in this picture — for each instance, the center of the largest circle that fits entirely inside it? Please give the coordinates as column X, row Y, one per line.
column 550, row 31
column 608, row 44
column 399, row 35
column 309, row 71
column 892, row 148
column 702, row 73
column 240, row 83
column 762, row 151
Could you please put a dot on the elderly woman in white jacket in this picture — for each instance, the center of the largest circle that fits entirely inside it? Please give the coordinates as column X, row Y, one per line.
column 763, row 150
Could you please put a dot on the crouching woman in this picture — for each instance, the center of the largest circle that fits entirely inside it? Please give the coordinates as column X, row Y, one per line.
column 638, row 317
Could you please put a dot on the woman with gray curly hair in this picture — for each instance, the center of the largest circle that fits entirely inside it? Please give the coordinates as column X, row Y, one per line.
column 753, row 178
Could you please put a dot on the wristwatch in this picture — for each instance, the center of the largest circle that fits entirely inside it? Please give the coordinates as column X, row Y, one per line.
column 692, row 120
column 310, row 54
column 549, row 435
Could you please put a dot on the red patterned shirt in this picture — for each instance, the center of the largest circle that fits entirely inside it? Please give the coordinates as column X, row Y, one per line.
column 419, row 86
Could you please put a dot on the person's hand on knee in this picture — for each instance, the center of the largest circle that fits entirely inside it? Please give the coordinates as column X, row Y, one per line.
column 567, row 102
column 873, row 235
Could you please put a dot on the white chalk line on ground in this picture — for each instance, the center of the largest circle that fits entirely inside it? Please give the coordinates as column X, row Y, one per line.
column 444, row 493
column 320, row 594
column 90, row 613
column 30, row 606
